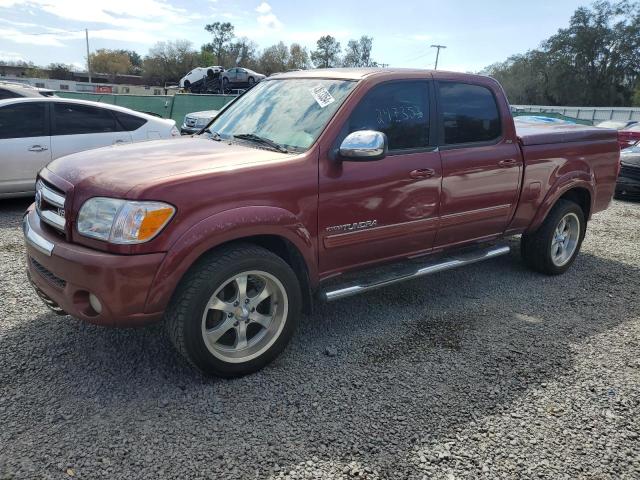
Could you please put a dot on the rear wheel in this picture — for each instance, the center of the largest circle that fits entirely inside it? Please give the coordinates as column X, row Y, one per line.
column 251, row 81
column 554, row 246
column 235, row 311
column 187, row 84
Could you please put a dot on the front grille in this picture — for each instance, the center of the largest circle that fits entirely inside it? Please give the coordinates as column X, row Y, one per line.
column 630, row 172
column 47, row 275
column 190, row 121
column 50, row 205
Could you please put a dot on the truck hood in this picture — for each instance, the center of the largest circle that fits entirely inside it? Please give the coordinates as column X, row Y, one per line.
column 119, row 169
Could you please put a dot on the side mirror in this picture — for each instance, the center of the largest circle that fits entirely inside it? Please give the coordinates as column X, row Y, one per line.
column 364, row 145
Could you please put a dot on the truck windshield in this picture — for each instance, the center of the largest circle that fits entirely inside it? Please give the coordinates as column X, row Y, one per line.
column 288, row 112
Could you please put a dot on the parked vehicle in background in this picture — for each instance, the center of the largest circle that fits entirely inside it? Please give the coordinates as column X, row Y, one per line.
column 629, row 136
column 34, row 131
column 239, row 76
column 313, row 184
column 616, row 124
column 628, row 184
column 18, row 90
column 196, row 121
column 196, row 78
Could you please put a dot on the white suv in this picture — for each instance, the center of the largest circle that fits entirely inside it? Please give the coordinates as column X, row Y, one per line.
column 35, row 131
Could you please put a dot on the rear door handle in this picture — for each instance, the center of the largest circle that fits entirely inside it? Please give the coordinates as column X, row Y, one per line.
column 507, row 163
column 422, row 173
column 38, row 148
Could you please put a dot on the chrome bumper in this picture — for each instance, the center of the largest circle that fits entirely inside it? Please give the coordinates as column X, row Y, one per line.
column 35, row 240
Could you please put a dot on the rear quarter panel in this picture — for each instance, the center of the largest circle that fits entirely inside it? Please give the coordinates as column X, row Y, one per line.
column 553, row 169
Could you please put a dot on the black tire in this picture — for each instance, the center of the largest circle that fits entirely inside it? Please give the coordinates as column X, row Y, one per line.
column 184, row 316
column 187, row 84
column 535, row 247
column 251, row 81
column 225, row 82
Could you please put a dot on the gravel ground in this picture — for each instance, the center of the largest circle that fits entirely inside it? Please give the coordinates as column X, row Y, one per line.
column 485, row 372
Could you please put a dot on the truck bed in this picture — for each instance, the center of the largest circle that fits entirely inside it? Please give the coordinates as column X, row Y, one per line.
column 543, row 134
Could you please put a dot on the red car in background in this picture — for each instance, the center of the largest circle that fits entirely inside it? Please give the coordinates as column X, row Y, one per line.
column 629, row 136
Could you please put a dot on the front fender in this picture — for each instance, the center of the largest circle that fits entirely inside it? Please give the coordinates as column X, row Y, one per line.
column 223, row 227
column 569, row 181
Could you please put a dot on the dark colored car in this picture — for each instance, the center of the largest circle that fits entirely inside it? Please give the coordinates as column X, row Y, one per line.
column 317, row 184
column 628, row 184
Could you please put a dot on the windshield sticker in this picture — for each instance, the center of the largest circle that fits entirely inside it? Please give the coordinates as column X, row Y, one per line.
column 322, row 96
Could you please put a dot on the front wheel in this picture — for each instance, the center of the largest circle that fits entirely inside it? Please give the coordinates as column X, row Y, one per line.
column 554, row 246
column 235, row 311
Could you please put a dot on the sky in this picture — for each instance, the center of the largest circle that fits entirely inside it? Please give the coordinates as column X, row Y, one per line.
column 476, row 33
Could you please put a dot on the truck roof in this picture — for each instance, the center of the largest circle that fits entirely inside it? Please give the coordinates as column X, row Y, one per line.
column 360, row 73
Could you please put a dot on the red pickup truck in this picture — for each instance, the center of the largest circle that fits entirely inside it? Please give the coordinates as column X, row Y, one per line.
column 314, row 184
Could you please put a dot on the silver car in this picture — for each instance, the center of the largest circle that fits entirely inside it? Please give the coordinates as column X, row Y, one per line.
column 196, row 121
column 241, row 76
column 18, row 90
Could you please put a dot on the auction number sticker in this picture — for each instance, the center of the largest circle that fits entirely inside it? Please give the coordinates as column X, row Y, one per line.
column 322, row 96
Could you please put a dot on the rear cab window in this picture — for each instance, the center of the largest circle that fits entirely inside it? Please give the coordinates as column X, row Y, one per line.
column 468, row 114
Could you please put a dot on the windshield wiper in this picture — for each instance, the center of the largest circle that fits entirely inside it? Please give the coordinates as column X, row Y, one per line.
column 252, row 137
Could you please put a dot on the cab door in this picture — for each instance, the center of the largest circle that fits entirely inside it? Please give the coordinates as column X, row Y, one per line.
column 375, row 210
column 481, row 162
column 25, row 146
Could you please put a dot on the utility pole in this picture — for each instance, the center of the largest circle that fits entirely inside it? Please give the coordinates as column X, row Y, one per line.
column 438, row 53
column 86, row 36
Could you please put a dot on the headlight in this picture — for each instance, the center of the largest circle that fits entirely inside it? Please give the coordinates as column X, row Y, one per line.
column 123, row 221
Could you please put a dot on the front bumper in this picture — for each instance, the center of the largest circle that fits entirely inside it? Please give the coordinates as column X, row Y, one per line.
column 65, row 274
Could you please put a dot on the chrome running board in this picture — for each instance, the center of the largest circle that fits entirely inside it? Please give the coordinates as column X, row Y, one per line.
column 410, row 270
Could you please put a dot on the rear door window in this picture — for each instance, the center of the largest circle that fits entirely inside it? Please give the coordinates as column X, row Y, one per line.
column 400, row 110
column 75, row 119
column 468, row 113
column 129, row 123
column 23, row 120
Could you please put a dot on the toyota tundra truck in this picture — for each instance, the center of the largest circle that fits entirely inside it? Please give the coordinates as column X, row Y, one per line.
column 314, row 185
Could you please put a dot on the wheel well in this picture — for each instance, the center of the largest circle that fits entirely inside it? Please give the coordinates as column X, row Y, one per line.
column 582, row 197
column 289, row 253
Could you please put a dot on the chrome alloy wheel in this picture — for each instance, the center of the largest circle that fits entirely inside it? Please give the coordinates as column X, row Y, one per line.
column 245, row 316
column 565, row 239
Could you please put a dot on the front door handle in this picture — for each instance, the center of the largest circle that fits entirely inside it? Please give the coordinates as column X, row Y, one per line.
column 422, row 173
column 38, row 148
column 507, row 163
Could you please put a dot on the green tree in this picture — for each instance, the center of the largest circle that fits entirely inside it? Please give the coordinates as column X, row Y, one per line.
column 111, row 62
column 57, row 71
column 636, row 97
column 358, row 53
column 327, row 53
column 274, row 59
column 298, row 57
column 595, row 61
column 222, row 34
column 169, row 61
